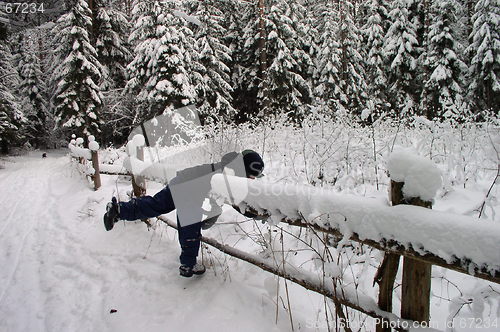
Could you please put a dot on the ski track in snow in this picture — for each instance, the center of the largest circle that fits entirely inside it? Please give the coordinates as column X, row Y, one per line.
column 20, row 188
column 42, row 255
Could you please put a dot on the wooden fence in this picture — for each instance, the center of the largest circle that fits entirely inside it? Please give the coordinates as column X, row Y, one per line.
column 415, row 306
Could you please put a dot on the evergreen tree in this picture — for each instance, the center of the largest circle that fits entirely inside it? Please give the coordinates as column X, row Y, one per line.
column 374, row 32
column 352, row 73
column 161, row 74
column 327, row 76
column 11, row 118
column 110, row 28
column 288, row 63
column 484, row 89
column 77, row 97
column 246, row 71
column 310, row 37
column 33, row 96
column 401, row 39
column 215, row 88
column 444, row 85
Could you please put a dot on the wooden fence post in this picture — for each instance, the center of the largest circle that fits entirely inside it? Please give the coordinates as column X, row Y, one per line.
column 416, row 285
column 386, row 273
column 94, row 148
column 97, row 173
column 138, row 182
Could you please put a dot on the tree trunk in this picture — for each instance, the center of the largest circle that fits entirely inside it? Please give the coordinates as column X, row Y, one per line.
column 92, row 17
column 5, row 146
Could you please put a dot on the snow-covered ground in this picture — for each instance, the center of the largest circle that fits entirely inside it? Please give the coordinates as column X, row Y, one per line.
column 61, row 271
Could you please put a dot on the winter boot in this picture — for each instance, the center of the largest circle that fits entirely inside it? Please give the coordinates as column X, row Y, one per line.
column 188, row 271
column 112, row 214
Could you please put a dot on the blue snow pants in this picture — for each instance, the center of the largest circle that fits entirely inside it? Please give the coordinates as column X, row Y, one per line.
column 161, row 203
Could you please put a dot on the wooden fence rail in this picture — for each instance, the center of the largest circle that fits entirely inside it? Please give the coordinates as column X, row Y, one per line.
column 392, row 246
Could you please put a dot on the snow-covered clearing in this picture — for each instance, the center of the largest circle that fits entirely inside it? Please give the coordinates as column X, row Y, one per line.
column 61, row 271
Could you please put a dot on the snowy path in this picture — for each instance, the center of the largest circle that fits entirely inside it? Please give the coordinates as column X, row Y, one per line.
column 41, row 250
column 60, row 271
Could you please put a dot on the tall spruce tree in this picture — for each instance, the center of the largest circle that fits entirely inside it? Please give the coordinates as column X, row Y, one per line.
column 444, row 85
column 77, row 97
column 33, row 94
column 247, row 70
column 11, row 118
column 111, row 29
column 288, row 63
column 214, row 88
column 352, row 73
column 161, row 74
column 374, row 31
column 484, row 88
column 401, row 39
column 328, row 63
column 236, row 17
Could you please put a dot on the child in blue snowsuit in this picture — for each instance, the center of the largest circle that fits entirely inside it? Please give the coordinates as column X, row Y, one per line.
column 186, row 192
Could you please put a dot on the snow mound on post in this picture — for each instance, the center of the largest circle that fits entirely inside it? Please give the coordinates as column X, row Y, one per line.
column 421, row 177
column 94, row 146
column 139, row 140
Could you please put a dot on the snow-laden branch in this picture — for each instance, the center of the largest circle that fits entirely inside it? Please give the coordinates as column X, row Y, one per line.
column 456, row 242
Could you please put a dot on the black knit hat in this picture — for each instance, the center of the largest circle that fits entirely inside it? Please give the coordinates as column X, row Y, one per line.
column 254, row 166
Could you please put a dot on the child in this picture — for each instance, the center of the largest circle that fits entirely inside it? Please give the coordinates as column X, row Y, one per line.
column 186, row 192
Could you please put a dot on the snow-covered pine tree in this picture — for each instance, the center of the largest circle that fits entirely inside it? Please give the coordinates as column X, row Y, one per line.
column 246, row 70
column 11, row 117
column 77, row 98
column 161, row 72
column 310, row 38
column 214, row 88
column 33, row 91
column 111, row 28
column 484, row 88
column 236, row 16
column 444, row 85
column 401, row 39
column 352, row 73
column 288, row 63
column 374, row 32
column 326, row 76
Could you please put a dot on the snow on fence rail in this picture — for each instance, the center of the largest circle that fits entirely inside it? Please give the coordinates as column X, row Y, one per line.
column 424, row 237
column 456, row 242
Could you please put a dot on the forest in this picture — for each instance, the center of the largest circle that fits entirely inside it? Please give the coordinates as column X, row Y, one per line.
column 102, row 67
